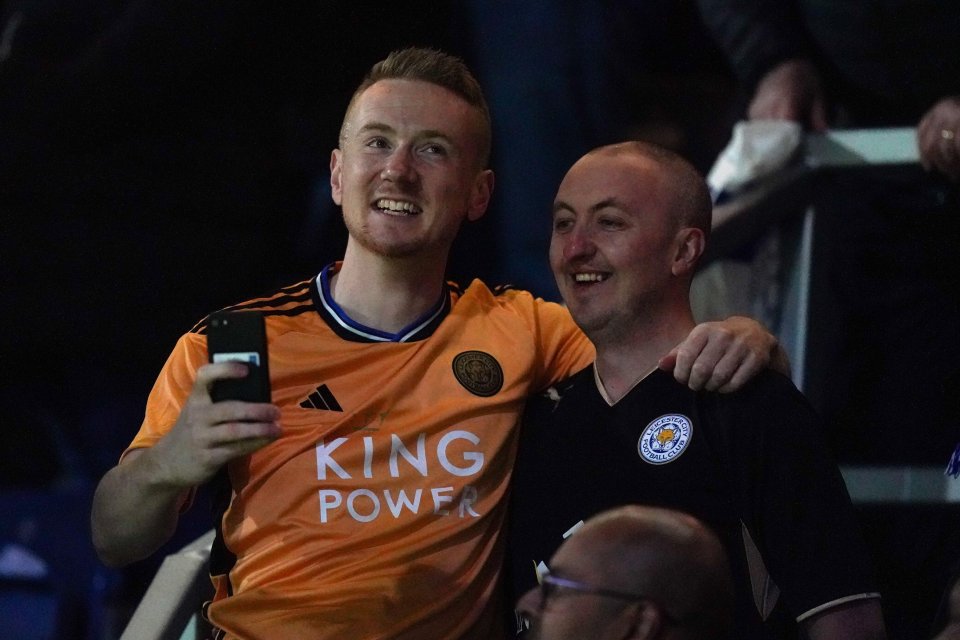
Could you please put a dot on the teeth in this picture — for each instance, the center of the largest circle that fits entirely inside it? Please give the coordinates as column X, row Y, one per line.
column 590, row 277
column 398, row 206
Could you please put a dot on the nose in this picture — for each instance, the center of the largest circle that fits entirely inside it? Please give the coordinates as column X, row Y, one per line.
column 398, row 166
column 578, row 243
column 530, row 604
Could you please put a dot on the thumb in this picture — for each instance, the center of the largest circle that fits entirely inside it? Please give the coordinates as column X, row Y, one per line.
column 818, row 115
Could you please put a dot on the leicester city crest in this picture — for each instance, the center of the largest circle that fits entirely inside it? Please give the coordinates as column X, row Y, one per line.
column 478, row 372
column 664, row 439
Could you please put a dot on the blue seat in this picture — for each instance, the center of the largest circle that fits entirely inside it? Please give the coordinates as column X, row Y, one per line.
column 69, row 601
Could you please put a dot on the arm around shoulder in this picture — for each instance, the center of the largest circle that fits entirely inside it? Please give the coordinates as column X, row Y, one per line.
column 724, row 355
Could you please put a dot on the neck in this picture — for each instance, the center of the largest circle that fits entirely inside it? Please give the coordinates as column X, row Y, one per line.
column 386, row 293
column 625, row 358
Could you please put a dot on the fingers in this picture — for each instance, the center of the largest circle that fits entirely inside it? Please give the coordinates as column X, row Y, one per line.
column 236, row 420
column 721, row 356
column 683, row 356
column 818, row 115
column 716, row 361
column 790, row 91
column 210, row 373
column 231, row 421
column 235, row 429
column 947, row 160
column 669, row 361
column 226, row 452
column 938, row 147
column 775, row 107
column 209, row 434
column 217, row 424
column 694, row 362
column 749, row 366
column 938, row 138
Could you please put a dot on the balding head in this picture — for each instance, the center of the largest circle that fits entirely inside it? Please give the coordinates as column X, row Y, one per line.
column 691, row 203
column 663, row 552
column 674, row 564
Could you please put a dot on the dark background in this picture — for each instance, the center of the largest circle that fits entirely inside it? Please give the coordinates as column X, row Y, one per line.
column 161, row 160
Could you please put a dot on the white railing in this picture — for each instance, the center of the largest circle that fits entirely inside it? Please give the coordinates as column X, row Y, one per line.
column 784, row 202
column 170, row 608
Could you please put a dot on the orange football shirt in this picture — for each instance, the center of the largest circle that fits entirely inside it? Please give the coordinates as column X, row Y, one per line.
column 379, row 511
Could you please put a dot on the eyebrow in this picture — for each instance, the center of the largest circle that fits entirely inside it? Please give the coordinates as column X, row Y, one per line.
column 425, row 134
column 612, row 202
column 375, row 126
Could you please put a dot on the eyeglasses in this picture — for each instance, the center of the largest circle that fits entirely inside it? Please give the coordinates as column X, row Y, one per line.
column 551, row 584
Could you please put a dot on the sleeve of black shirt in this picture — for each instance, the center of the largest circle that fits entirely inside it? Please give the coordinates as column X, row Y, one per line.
column 793, row 497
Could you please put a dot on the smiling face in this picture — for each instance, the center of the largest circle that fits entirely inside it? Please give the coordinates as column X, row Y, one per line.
column 408, row 172
column 616, row 242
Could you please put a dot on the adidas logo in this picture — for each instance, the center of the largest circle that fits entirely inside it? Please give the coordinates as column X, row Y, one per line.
column 323, row 399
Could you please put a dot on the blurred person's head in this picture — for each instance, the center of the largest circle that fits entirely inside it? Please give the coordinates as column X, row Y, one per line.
column 634, row 572
column 952, row 629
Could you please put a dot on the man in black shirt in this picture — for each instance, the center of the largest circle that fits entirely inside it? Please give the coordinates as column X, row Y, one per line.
column 630, row 222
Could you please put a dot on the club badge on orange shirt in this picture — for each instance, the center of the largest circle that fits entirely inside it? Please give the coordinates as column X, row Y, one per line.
column 478, row 372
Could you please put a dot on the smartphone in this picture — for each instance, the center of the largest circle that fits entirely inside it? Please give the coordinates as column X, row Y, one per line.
column 240, row 336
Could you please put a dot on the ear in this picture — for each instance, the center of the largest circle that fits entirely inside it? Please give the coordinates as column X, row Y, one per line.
column 480, row 195
column 690, row 244
column 336, row 168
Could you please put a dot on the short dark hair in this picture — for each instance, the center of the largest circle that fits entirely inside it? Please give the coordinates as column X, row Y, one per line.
column 435, row 67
